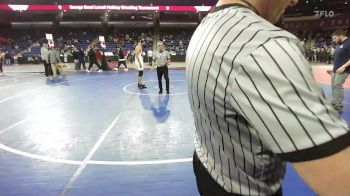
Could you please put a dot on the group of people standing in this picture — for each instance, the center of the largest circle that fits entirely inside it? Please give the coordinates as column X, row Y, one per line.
column 5, row 59
column 161, row 59
column 52, row 61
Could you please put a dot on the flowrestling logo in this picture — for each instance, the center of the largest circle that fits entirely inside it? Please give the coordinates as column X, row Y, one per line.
column 323, row 13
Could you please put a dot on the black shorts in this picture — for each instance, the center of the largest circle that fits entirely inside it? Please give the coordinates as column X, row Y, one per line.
column 207, row 186
column 140, row 73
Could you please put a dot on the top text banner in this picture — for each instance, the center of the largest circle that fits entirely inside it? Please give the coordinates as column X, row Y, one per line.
column 105, row 7
column 112, row 2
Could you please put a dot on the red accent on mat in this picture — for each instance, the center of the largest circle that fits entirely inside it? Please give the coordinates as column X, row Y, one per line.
column 321, row 75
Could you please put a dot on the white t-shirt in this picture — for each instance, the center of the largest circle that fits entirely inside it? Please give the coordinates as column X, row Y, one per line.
column 150, row 53
column 139, row 66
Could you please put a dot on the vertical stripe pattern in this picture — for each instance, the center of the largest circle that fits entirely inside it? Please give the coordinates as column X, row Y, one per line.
column 253, row 98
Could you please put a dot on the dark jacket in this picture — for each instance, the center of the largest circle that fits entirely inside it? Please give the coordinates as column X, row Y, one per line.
column 121, row 54
column 92, row 54
column 79, row 55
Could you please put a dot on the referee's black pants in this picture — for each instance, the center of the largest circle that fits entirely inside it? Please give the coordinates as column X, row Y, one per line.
column 160, row 72
column 207, row 186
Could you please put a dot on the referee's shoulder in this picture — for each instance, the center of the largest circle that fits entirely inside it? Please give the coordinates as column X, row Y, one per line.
column 271, row 30
column 272, row 33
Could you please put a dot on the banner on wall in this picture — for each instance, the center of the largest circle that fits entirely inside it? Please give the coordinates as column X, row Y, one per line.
column 102, row 42
column 50, row 41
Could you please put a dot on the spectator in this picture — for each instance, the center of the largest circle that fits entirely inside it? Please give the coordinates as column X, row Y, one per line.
column 2, row 59
column 121, row 58
column 55, row 60
column 98, row 56
column 93, row 59
column 45, row 60
column 79, row 57
column 7, row 58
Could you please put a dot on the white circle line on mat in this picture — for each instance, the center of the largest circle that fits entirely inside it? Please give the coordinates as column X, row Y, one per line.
column 92, row 162
column 154, row 94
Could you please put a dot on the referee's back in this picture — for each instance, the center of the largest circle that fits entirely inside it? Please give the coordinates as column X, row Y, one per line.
column 255, row 102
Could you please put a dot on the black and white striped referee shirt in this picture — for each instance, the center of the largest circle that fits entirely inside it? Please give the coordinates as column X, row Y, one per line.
column 255, row 102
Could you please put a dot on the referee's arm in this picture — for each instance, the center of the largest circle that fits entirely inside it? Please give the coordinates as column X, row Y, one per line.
column 168, row 57
column 329, row 175
column 154, row 61
column 275, row 91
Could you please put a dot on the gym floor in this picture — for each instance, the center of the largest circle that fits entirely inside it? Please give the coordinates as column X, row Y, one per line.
column 98, row 134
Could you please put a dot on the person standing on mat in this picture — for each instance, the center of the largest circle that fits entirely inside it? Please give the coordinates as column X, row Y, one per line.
column 55, row 60
column 81, row 58
column 92, row 58
column 162, row 59
column 2, row 60
column 45, row 59
column 256, row 106
column 341, row 68
column 139, row 65
column 121, row 59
